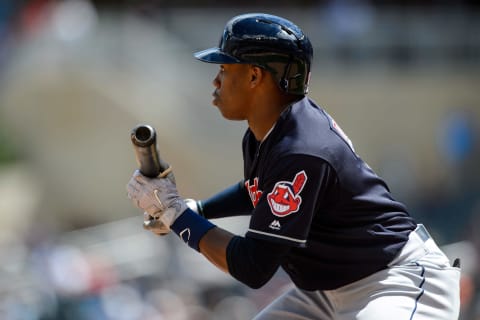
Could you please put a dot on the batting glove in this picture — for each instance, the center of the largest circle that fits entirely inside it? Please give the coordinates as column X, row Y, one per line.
column 158, row 197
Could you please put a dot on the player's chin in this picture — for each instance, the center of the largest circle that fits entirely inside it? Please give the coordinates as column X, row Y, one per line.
column 224, row 112
column 230, row 115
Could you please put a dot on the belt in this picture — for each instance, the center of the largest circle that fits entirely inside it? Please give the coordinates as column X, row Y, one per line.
column 422, row 232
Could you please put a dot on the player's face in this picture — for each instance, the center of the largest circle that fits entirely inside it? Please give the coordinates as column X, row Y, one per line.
column 231, row 94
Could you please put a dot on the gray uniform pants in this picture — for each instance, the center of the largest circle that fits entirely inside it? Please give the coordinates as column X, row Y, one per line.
column 419, row 284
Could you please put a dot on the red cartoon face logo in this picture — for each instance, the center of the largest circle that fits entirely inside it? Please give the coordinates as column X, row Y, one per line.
column 285, row 197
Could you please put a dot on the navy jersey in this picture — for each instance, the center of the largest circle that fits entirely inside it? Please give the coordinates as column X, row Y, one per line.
column 311, row 191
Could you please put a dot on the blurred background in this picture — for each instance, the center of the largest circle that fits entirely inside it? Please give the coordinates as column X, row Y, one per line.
column 401, row 77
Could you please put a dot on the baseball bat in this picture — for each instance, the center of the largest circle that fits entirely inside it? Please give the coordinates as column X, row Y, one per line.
column 144, row 140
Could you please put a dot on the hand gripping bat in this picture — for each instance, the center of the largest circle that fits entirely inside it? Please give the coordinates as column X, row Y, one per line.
column 144, row 140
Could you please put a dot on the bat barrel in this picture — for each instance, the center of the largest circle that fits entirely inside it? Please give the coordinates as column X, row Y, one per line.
column 143, row 135
column 144, row 142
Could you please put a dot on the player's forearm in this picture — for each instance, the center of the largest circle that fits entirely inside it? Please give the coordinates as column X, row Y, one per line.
column 250, row 261
column 213, row 246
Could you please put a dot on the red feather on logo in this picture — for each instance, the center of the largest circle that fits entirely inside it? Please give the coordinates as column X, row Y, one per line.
column 299, row 182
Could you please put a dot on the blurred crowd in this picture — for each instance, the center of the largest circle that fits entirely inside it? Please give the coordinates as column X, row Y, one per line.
column 116, row 271
column 75, row 75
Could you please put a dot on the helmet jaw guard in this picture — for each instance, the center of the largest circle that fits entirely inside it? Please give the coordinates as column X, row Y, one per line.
column 270, row 42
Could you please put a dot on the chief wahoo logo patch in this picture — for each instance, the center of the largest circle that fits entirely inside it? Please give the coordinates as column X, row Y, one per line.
column 285, row 197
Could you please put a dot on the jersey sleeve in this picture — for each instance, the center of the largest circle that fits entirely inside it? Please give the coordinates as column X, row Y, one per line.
column 233, row 201
column 293, row 190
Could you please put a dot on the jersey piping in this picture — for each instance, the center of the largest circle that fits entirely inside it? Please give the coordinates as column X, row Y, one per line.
column 277, row 236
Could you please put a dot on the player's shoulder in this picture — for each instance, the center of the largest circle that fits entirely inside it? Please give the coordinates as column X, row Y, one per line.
column 306, row 128
column 306, row 111
column 306, row 121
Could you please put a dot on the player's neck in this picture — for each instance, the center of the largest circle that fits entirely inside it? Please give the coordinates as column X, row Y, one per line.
column 265, row 117
column 266, row 103
column 259, row 131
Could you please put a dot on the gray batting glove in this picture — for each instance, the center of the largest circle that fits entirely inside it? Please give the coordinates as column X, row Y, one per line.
column 156, row 196
column 156, row 225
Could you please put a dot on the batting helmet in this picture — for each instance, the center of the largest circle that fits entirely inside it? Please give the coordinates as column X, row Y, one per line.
column 270, row 42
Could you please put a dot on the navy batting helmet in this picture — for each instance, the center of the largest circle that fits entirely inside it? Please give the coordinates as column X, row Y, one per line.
column 270, row 42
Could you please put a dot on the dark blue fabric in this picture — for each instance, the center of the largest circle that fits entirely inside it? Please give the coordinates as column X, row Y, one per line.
column 252, row 261
column 191, row 227
column 313, row 192
column 233, row 201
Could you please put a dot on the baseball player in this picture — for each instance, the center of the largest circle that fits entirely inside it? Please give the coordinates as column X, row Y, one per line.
column 316, row 209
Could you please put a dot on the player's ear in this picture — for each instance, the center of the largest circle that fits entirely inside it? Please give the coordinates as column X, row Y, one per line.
column 256, row 75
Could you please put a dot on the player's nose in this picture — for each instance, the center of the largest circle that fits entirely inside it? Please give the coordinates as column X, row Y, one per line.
column 216, row 81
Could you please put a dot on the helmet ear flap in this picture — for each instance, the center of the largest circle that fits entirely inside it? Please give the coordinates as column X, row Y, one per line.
column 291, row 76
